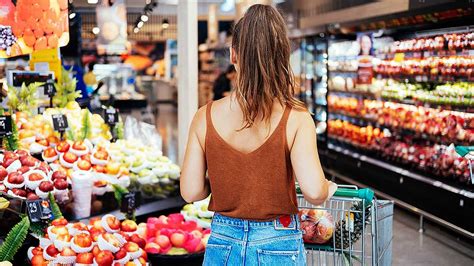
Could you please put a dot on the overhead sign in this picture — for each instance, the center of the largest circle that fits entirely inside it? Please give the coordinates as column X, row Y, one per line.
column 112, row 23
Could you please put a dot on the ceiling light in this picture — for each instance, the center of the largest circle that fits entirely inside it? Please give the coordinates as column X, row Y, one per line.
column 72, row 15
column 95, row 30
column 144, row 18
column 165, row 23
column 140, row 24
column 136, row 30
column 92, row 1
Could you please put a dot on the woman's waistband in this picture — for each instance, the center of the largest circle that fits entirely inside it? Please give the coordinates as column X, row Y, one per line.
column 281, row 222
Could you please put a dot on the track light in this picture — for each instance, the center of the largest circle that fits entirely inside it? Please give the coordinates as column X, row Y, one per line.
column 144, row 18
column 95, row 30
column 92, row 2
column 165, row 23
column 136, row 30
column 72, row 15
column 140, row 24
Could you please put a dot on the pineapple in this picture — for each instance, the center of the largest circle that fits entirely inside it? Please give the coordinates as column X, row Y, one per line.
column 342, row 229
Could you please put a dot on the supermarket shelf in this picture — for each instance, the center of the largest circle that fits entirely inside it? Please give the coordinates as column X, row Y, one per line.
column 425, row 54
column 404, row 172
column 355, row 94
column 424, row 78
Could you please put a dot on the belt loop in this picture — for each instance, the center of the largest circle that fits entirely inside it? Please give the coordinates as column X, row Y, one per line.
column 246, row 225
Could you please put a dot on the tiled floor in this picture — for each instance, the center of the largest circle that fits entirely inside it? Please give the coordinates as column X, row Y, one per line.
column 435, row 247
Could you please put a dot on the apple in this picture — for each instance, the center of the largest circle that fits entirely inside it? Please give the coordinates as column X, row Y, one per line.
column 28, row 161
column 35, row 177
column 95, row 233
column 83, row 240
column 101, row 155
column 43, row 142
column 152, row 248
column 19, row 192
column 104, row 258
column 60, row 184
column 129, row 226
column 52, row 139
column 3, row 173
column 23, row 169
column 63, row 146
column 46, row 186
column 79, row 146
column 52, row 251
column 163, row 241
column 111, row 239
column 131, row 247
column 120, row 254
column 86, row 157
column 32, row 196
column 95, row 250
column 137, row 239
column 37, row 251
column 59, row 222
column 197, row 234
column 38, row 260
column 66, row 252
column 59, row 174
column 49, row 153
column 99, row 168
column 80, row 226
column 15, row 178
column 70, row 157
column 85, row 258
column 112, row 168
column 124, row 235
column 84, row 165
column 64, row 237
column 60, row 230
column 113, row 222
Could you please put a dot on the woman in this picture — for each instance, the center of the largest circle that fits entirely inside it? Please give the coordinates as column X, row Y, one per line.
column 252, row 144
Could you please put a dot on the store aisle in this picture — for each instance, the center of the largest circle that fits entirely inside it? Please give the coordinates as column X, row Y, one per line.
column 436, row 247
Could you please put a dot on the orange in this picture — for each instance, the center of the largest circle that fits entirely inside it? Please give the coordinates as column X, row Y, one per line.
column 52, row 41
column 38, row 32
column 29, row 38
column 41, row 43
column 62, row 4
column 44, row 4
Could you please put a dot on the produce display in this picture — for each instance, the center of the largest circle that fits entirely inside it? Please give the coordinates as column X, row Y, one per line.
column 455, row 41
column 104, row 242
column 172, row 235
column 356, row 135
column 198, row 212
column 33, row 25
column 444, row 125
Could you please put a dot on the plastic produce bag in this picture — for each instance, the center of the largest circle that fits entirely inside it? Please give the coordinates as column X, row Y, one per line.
column 317, row 225
column 144, row 132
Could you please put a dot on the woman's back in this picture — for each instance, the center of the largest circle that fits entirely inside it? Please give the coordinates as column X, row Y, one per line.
column 248, row 167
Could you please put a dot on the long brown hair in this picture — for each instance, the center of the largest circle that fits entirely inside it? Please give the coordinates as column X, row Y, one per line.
column 264, row 75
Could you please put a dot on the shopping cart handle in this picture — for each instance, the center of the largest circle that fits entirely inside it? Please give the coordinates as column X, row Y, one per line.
column 365, row 193
column 464, row 150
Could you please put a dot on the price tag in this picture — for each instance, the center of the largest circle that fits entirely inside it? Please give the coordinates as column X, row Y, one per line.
column 60, row 122
column 130, row 202
column 41, row 110
column 39, row 210
column 49, row 89
column 5, row 125
column 111, row 116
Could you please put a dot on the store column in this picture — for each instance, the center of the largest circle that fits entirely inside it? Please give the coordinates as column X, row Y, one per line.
column 187, row 70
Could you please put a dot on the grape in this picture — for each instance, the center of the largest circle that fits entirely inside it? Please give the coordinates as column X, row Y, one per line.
column 7, row 39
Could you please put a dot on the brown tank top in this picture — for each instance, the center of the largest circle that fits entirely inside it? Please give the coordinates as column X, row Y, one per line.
column 259, row 185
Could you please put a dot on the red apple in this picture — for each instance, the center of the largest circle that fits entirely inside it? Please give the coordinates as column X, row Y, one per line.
column 113, row 222
column 37, row 251
column 59, row 222
column 101, row 155
column 140, row 241
column 43, row 142
column 35, row 177
column 111, row 239
column 70, row 157
column 32, row 196
column 96, row 232
column 86, row 157
column 59, row 174
column 52, row 251
column 28, row 161
column 112, row 168
column 95, row 250
column 23, row 169
column 60, row 184
column 83, row 240
column 38, row 260
column 52, row 139
column 46, row 186
column 100, row 183
column 3, row 173
column 66, row 252
column 163, row 241
column 10, row 155
column 84, row 165
column 85, row 258
column 152, row 248
column 120, row 254
column 79, row 146
column 19, row 192
column 50, row 153
column 63, row 146
column 131, row 247
column 178, row 239
column 99, row 168
column 15, row 178
column 104, row 258
column 129, row 226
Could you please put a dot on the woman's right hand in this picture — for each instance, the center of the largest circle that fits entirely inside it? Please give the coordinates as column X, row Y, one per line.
column 332, row 189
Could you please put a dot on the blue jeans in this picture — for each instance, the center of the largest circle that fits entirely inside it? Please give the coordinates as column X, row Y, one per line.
column 243, row 242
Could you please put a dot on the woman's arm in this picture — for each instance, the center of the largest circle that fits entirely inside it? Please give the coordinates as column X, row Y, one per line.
column 305, row 161
column 193, row 182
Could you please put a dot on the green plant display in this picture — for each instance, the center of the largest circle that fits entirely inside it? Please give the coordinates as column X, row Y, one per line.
column 65, row 90
column 14, row 239
column 25, row 98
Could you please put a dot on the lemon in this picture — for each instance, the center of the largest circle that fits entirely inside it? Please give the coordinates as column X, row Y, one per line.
column 4, row 203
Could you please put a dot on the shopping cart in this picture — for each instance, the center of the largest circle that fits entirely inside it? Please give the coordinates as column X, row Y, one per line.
column 468, row 153
column 363, row 229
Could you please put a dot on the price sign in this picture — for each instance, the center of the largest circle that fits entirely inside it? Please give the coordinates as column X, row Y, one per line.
column 60, row 122
column 130, row 202
column 111, row 116
column 5, row 125
column 39, row 210
column 49, row 89
column 41, row 110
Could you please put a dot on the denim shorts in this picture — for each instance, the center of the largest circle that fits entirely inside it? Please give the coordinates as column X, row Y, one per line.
column 243, row 242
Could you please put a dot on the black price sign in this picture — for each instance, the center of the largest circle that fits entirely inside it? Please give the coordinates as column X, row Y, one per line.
column 130, row 202
column 39, row 210
column 60, row 122
column 5, row 125
column 111, row 116
column 49, row 89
